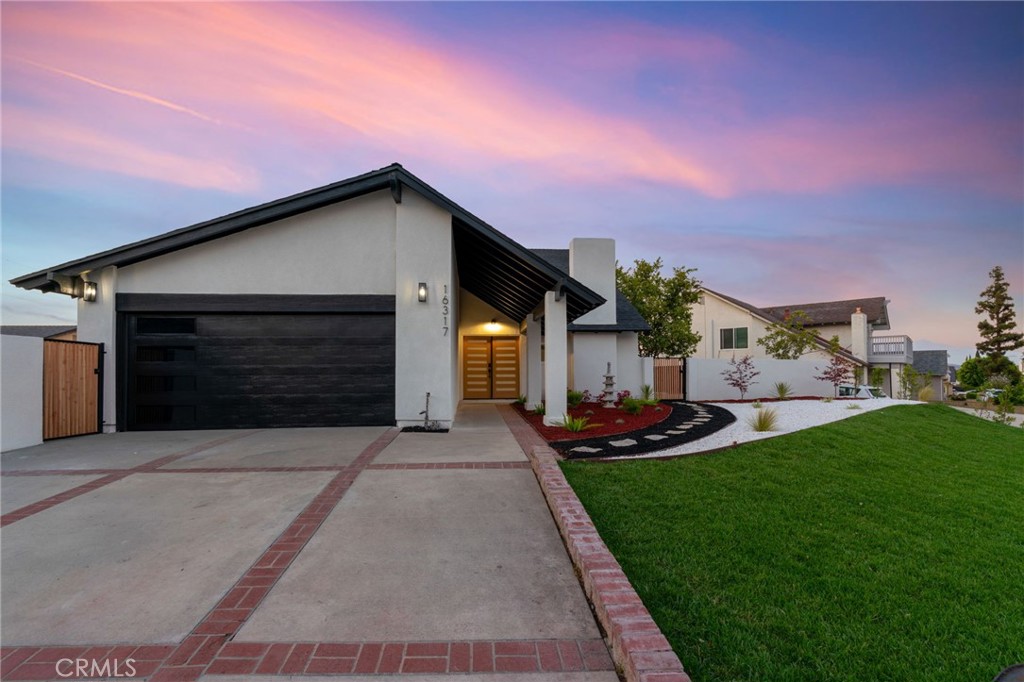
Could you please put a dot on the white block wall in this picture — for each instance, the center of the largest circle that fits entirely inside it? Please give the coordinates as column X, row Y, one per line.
column 634, row 371
column 21, row 392
column 704, row 380
column 591, row 354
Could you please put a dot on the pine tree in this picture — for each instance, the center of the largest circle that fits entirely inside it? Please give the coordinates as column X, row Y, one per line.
column 997, row 332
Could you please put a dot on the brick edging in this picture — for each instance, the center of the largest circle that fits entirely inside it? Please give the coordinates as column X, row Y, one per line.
column 317, row 658
column 638, row 646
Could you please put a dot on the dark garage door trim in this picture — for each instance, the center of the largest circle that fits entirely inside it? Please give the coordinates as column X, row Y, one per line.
column 220, row 310
column 255, row 303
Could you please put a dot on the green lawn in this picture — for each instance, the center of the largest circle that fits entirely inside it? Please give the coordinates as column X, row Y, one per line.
column 887, row 546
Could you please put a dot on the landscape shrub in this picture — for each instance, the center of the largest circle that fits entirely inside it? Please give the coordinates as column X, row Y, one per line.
column 575, row 424
column 573, row 398
column 764, row 420
column 632, row 405
column 783, row 390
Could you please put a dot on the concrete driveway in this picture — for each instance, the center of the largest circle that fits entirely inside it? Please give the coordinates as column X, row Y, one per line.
column 362, row 551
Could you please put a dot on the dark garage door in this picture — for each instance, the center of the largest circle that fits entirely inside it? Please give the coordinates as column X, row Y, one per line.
column 209, row 371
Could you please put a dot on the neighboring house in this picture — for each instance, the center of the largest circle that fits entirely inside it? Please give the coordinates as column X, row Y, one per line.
column 951, row 374
column 54, row 332
column 343, row 305
column 933, row 366
column 730, row 328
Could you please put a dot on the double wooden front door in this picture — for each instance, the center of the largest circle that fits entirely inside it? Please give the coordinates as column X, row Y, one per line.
column 490, row 367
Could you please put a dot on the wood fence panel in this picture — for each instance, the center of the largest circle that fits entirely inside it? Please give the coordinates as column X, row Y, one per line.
column 71, row 387
column 668, row 379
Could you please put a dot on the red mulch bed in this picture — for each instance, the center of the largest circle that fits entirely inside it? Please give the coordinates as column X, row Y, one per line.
column 602, row 421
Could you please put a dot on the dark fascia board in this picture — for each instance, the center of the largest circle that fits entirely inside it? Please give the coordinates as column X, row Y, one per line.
column 384, row 178
column 589, row 298
column 587, row 328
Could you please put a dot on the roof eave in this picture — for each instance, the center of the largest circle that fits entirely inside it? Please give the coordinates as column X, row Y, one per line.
column 390, row 177
column 217, row 227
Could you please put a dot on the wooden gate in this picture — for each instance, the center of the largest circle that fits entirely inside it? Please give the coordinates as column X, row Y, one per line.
column 669, row 379
column 72, row 381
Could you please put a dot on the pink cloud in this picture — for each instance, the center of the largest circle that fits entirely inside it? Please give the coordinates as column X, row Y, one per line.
column 127, row 93
column 340, row 79
column 60, row 140
column 343, row 78
column 937, row 137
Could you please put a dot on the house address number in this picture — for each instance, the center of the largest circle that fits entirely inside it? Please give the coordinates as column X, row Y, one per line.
column 444, row 311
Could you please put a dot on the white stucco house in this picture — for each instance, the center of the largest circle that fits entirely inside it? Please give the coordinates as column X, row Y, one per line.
column 345, row 305
column 730, row 328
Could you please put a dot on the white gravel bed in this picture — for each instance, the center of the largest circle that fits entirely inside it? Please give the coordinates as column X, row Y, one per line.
column 793, row 415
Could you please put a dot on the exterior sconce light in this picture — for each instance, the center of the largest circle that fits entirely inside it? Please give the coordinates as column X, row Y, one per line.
column 89, row 291
column 421, row 292
column 493, row 325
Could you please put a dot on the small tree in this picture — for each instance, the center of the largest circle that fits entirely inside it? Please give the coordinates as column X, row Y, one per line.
column 987, row 372
column 910, row 381
column 998, row 368
column 878, row 376
column 970, row 374
column 838, row 371
column 740, row 374
column 997, row 332
column 791, row 339
column 665, row 302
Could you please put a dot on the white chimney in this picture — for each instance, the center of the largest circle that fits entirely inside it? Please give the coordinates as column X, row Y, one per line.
column 859, row 334
column 592, row 263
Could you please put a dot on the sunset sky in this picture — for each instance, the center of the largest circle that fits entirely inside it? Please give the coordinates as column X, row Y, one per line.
column 790, row 152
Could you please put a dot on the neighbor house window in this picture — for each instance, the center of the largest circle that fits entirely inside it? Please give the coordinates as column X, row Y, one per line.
column 734, row 338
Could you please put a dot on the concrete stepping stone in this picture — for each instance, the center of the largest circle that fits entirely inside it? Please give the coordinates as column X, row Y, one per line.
column 624, row 443
column 655, row 437
column 584, row 448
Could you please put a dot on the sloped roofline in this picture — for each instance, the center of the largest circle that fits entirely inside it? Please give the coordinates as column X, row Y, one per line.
column 814, row 310
column 393, row 177
column 773, row 319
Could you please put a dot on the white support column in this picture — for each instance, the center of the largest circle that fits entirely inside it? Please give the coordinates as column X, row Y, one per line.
column 534, row 368
column 556, row 359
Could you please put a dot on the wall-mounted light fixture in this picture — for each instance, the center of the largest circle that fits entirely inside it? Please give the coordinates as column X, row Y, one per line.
column 421, row 292
column 89, row 291
column 493, row 325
